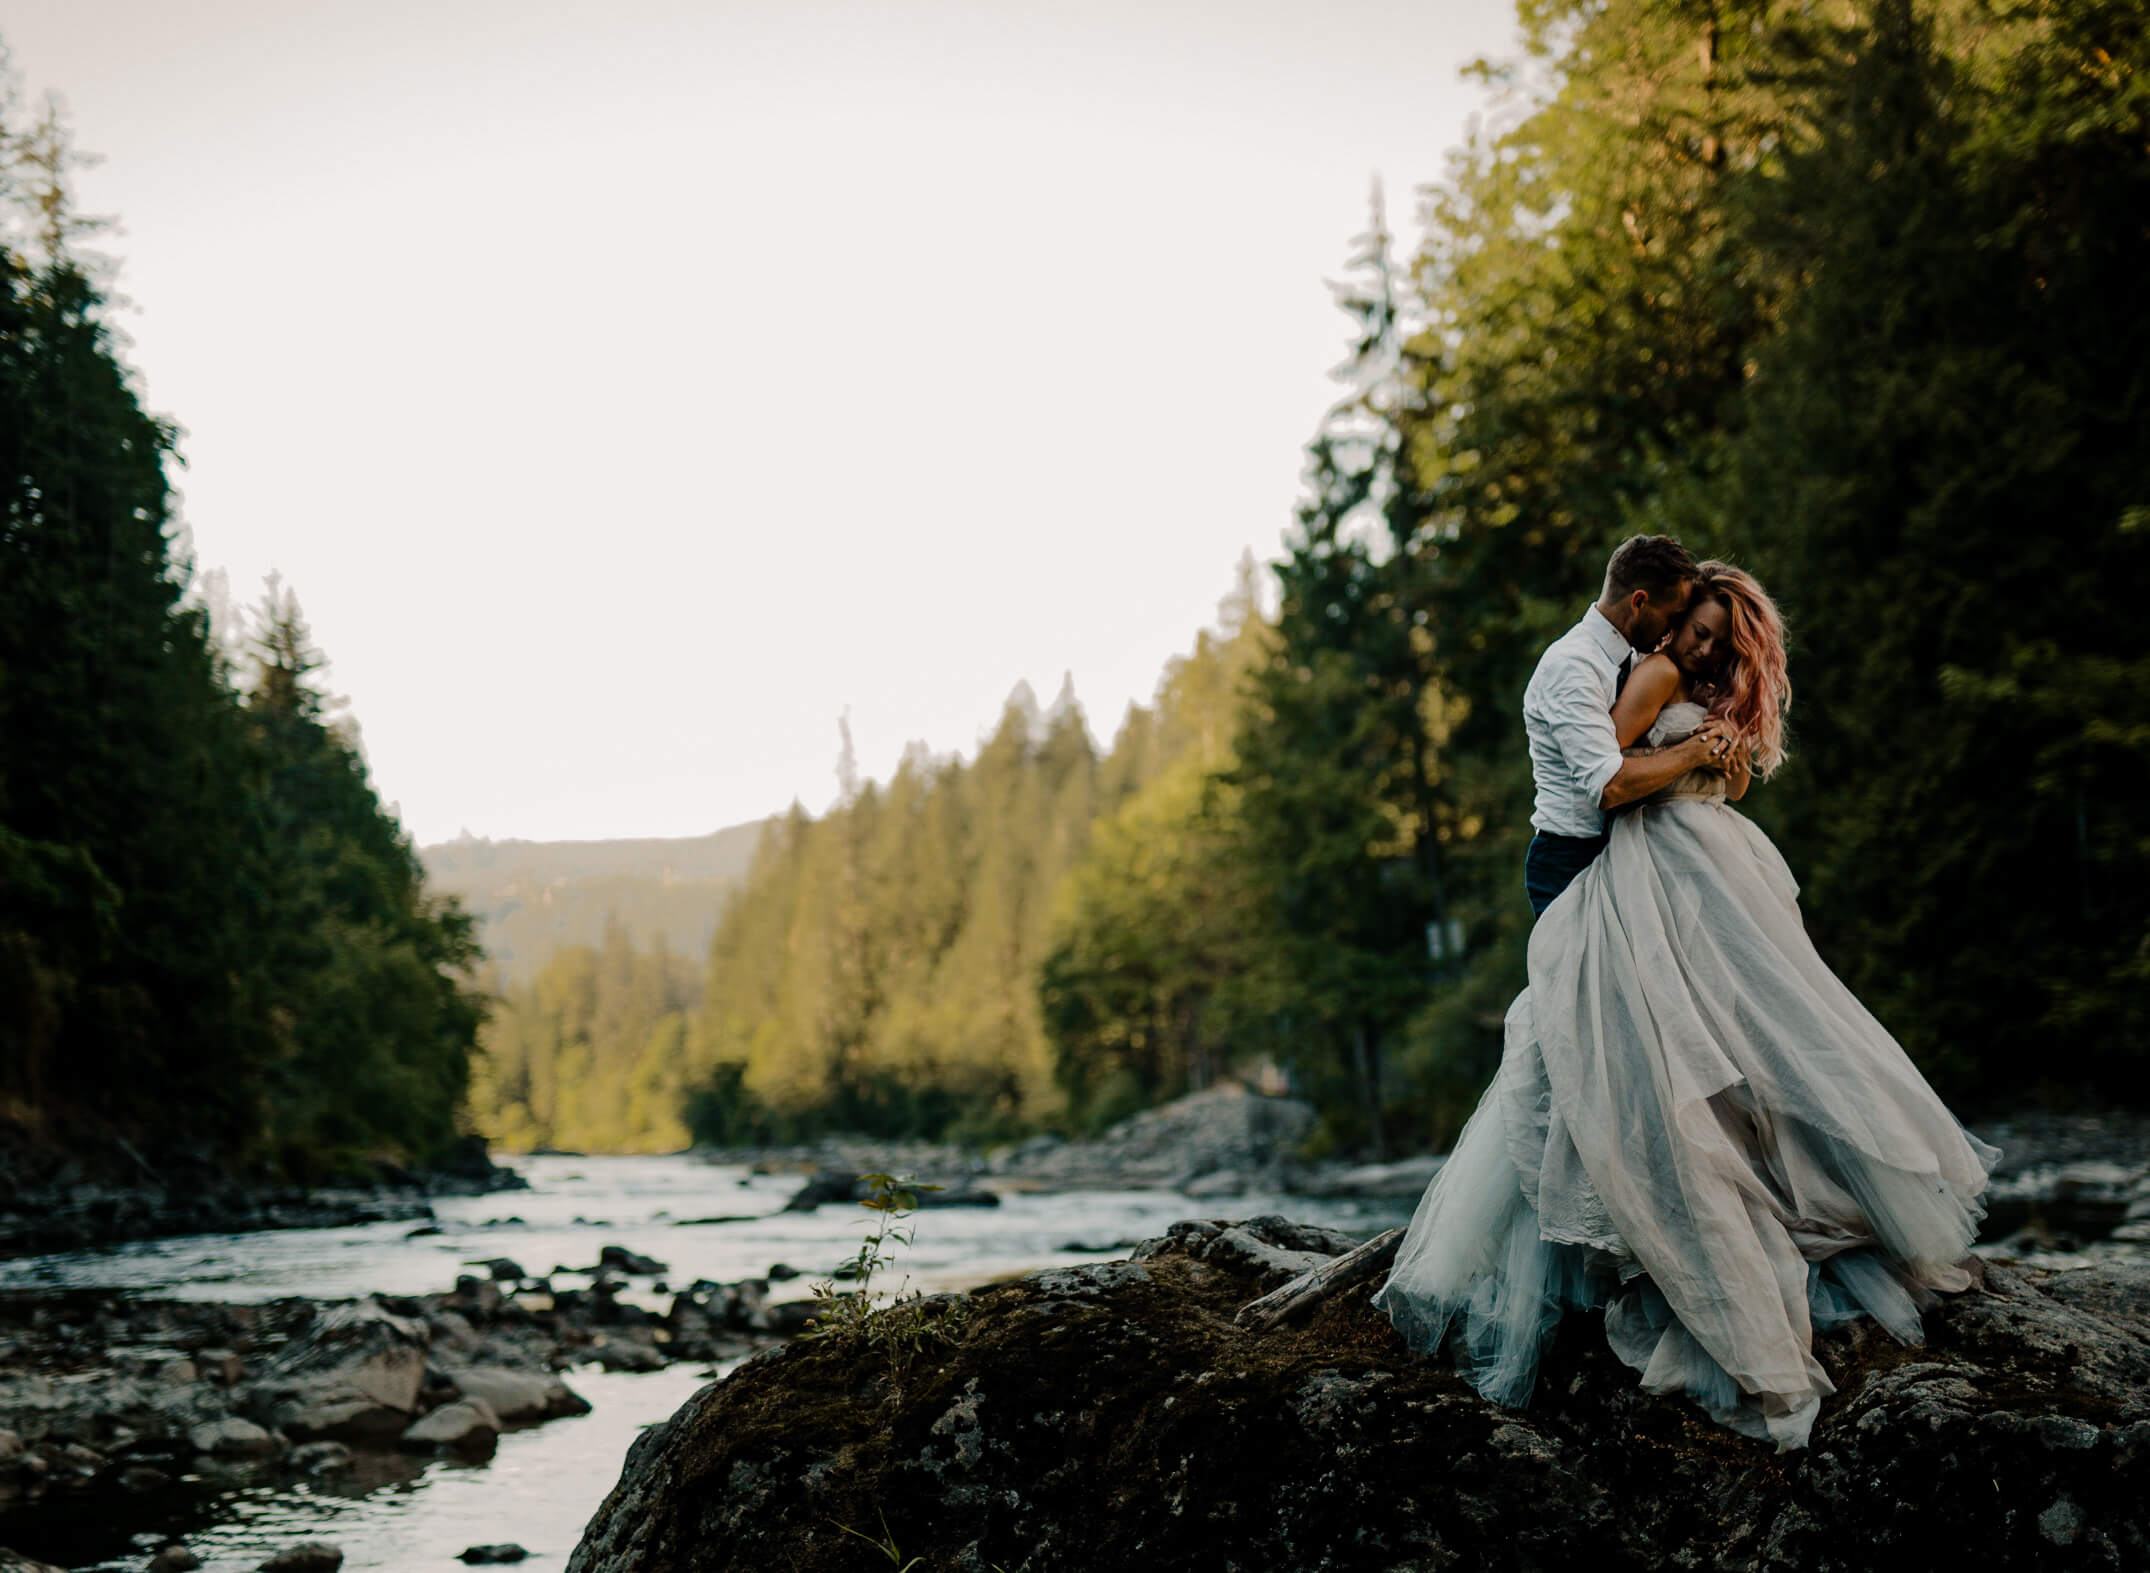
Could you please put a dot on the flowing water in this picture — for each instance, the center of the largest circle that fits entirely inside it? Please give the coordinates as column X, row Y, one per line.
column 701, row 1220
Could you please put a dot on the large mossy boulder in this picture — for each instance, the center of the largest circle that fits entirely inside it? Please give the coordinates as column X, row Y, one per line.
column 1115, row 1416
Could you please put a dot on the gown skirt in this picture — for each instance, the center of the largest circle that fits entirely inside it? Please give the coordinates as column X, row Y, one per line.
column 1696, row 1128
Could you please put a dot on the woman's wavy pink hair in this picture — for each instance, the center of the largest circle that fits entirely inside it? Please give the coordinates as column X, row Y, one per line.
column 1755, row 688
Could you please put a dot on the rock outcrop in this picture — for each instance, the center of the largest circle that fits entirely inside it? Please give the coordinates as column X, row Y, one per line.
column 1114, row 1416
column 1226, row 1133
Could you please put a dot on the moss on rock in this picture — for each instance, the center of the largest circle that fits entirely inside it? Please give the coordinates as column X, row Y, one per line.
column 1114, row 1416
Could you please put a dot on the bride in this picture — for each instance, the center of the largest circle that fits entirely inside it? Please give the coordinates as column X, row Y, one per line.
column 1695, row 1126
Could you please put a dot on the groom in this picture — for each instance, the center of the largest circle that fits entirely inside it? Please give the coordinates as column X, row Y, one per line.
column 1575, row 756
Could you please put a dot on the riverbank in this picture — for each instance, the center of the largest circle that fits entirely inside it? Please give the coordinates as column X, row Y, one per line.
column 2070, row 1188
column 100, row 1190
column 109, row 1403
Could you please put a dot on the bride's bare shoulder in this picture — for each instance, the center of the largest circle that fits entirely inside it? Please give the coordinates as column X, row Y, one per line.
column 1649, row 686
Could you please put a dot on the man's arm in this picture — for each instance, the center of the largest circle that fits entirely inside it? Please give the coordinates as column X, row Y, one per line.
column 1643, row 774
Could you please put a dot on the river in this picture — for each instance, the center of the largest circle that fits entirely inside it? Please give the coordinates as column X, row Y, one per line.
column 542, row 1485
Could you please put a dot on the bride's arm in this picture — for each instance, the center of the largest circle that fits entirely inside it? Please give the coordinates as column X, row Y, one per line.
column 1737, row 775
column 1649, row 687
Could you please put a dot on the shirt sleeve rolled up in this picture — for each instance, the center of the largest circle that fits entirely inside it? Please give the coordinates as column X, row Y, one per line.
column 1578, row 717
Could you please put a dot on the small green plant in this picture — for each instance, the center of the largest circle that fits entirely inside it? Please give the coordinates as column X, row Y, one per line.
column 901, row 1330
column 886, row 1545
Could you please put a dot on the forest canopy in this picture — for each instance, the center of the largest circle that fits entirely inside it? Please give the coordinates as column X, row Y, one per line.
column 1850, row 293
column 215, row 943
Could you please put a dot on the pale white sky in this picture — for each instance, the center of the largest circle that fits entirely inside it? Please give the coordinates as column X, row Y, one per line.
column 628, row 389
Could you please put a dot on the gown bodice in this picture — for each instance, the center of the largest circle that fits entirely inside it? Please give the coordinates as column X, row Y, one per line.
column 1674, row 722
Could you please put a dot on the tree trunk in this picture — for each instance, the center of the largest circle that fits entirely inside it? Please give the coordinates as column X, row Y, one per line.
column 1366, row 1045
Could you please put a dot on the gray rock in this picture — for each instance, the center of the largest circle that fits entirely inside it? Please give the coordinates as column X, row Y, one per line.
column 174, row 1558
column 467, row 1426
column 622, row 1354
column 632, row 1263
column 785, row 1319
column 1225, row 1127
column 312, row 1556
column 505, row 1552
column 1219, row 1182
column 2062, row 1523
column 16, row 1562
column 319, row 1458
column 231, row 1437
column 355, row 1374
column 517, row 1396
column 221, row 1366
column 2018, row 1437
column 1404, row 1180
column 1089, row 1281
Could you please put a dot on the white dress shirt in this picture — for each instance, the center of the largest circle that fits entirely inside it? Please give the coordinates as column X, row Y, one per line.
column 1567, row 716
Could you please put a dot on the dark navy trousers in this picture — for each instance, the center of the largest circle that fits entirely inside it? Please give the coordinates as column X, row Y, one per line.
column 1551, row 864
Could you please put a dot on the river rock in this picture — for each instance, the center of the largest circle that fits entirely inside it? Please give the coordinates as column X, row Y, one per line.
column 221, row 1366
column 507, row 1552
column 626, row 1354
column 174, row 1558
column 633, row 1263
column 1404, row 1180
column 1223, row 1129
column 231, row 1437
column 1114, row 1416
column 517, row 1396
column 467, row 1426
column 16, row 1562
column 355, row 1374
column 820, row 1189
column 319, row 1458
column 309, row 1557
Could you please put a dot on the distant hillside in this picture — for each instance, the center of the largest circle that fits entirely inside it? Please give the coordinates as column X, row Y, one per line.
column 532, row 897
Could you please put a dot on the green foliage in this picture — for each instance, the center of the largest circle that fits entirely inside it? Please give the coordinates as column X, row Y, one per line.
column 877, row 971
column 1945, row 447
column 1152, row 924
column 894, row 1336
column 597, row 1051
column 1856, row 303
column 212, row 938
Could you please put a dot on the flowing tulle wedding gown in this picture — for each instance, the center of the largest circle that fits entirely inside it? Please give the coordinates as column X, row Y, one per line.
column 1695, row 1126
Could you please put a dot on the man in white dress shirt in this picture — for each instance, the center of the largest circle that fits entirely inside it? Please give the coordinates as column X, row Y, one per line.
column 1575, row 756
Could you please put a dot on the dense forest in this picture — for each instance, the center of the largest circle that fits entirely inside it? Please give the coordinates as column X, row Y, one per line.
column 214, row 943
column 880, row 969
column 1848, row 292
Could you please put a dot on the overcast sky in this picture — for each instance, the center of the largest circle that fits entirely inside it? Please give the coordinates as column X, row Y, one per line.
column 630, row 389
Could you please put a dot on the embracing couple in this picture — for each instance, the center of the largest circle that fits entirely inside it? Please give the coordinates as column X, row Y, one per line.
column 1696, row 1127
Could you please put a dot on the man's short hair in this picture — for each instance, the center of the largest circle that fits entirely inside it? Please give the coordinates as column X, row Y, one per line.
column 1656, row 563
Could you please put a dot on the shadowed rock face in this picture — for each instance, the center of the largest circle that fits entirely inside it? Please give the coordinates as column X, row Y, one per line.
column 1113, row 1416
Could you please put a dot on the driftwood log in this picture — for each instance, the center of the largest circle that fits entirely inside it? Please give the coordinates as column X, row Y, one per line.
column 1310, row 1288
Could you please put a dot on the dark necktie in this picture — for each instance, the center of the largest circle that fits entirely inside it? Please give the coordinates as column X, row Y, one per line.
column 1626, row 666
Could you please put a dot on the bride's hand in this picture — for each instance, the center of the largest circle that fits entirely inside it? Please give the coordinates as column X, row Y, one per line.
column 1715, row 740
